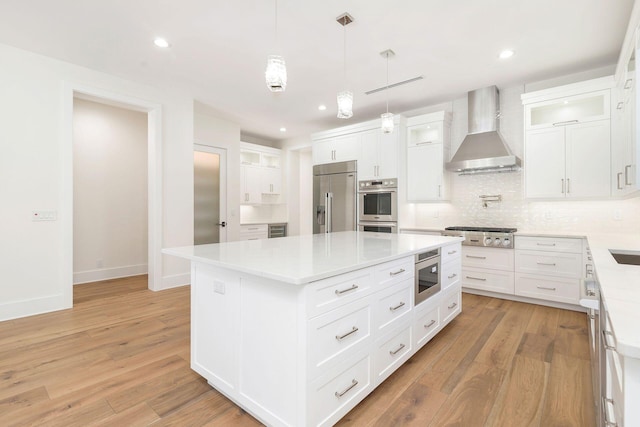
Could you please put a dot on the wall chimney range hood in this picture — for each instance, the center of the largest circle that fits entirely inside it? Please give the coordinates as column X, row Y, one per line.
column 484, row 150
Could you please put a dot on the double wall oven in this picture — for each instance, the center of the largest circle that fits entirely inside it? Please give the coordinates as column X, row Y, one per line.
column 378, row 205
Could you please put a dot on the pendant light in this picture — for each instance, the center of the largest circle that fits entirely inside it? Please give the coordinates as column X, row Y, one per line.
column 276, row 72
column 387, row 118
column 345, row 97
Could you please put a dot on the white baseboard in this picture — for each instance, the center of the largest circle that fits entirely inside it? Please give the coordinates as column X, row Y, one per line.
column 31, row 307
column 108, row 273
column 174, row 281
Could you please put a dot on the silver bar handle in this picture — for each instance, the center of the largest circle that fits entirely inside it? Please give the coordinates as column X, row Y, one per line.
column 452, row 276
column 430, row 324
column 451, row 252
column 619, row 105
column 565, row 122
column 627, row 175
column 352, row 331
column 328, row 203
column 562, row 185
column 402, row 304
column 605, row 404
column 553, row 264
column 568, row 185
column 439, row 190
column 545, row 244
column 344, row 291
column 546, row 288
column 396, row 351
column 477, row 257
column 343, row 392
column 476, row 278
column 424, row 142
column 627, row 84
column 607, row 346
column 619, row 181
column 395, row 273
column 454, row 305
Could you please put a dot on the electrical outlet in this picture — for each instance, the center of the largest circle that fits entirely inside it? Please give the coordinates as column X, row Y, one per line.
column 218, row 287
column 44, row 215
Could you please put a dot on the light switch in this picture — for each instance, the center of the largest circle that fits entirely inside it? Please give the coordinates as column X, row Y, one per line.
column 44, row 215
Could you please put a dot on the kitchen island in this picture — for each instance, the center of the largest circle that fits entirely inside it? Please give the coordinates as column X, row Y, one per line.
column 298, row 330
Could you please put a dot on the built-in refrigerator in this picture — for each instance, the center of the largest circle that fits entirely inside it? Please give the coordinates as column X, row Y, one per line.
column 334, row 197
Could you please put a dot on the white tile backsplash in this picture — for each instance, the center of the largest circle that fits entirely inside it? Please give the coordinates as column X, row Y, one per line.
column 466, row 207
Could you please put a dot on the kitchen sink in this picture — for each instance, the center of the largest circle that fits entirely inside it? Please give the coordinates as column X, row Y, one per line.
column 625, row 257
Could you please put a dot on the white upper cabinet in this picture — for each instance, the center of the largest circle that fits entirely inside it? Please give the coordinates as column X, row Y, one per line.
column 260, row 174
column 378, row 154
column 568, row 141
column 336, row 149
column 427, row 150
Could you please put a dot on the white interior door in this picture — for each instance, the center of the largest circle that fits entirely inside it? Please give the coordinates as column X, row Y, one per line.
column 209, row 195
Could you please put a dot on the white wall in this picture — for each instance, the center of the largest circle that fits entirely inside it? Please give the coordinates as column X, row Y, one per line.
column 109, row 192
column 35, row 264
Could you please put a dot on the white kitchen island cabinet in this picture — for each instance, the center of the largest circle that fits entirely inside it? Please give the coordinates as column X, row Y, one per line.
column 298, row 330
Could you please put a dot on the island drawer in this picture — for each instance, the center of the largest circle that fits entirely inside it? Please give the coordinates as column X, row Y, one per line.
column 394, row 272
column 491, row 258
column 336, row 335
column 451, row 252
column 426, row 326
column 391, row 352
column 552, row 244
column 548, row 288
column 450, row 305
column 327, row 294
column 393, row 304
column 551, row 263
column 334, row 394
column 449, row 273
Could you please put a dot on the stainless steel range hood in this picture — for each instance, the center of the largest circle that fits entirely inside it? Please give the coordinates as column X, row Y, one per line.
column 484, row 150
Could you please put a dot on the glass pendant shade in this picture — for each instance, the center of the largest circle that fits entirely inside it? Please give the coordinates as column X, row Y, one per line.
column 276, row 73
column 387, row 122
column 345, row 104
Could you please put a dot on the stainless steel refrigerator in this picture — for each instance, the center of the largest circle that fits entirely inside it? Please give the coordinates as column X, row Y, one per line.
column 334, row 197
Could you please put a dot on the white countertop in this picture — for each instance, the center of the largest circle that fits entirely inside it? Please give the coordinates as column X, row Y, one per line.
column 620, row 288
column 304, row 259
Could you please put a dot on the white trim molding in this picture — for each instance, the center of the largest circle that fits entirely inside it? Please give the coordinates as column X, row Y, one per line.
column 87, row 276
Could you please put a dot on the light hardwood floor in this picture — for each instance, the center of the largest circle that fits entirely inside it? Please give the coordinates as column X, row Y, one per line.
column 120, row 357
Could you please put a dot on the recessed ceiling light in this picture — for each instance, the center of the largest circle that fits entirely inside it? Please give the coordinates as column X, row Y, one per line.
column 322, row 107
column 283, row 129
column 507, row 53
column 160, row 42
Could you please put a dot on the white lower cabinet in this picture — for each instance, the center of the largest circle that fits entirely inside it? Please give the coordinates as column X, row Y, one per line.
column 306, row 355
column 254, row 231
column 488, row 269
column 549, row 268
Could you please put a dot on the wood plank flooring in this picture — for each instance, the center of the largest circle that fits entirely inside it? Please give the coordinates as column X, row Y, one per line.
column 120, row 357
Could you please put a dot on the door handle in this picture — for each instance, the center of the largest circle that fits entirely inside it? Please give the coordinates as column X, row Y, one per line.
column 627, row 175
column 222, row 224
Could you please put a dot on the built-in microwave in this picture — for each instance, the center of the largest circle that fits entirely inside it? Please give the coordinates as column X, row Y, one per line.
column 378, row 200
column 427, row 275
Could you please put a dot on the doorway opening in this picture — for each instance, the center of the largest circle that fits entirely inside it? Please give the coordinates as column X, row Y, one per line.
column 209, row 195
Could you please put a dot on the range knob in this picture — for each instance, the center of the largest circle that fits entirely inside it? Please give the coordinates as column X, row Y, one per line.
column 506, row 242
column 487, row 241
column 497, row 241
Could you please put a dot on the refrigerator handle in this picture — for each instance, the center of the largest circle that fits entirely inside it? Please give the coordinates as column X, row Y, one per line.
column 328, row 202
column 320, row 214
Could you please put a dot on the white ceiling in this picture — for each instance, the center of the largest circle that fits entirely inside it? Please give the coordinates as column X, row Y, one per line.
column 219, row 49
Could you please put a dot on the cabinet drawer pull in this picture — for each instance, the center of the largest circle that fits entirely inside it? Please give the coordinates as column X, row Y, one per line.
column 352, row 331
column 619, row 105
column 396, row 351
column 545, row 244
column 627, row 83
column 568, row 185
column 545, row 288
column 627, row 175
column 343, row 392
column 476, row 278
column 395, row 273
column 477, row 257
column 605, row 405
column 344, row 291
column 565, row 122
column 454, row 305
column 607, row 346
column 430, row 324
column 553, row 264
column 562, row 185
column 619, row 176
column 424, row 142
column 452, row 276
column 397, row 306
column 452, row 252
